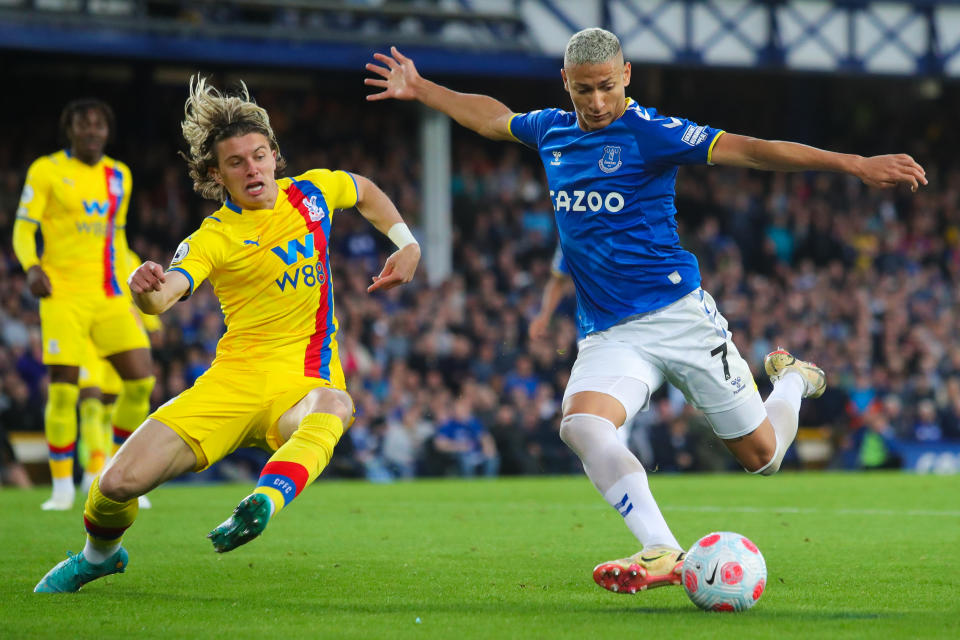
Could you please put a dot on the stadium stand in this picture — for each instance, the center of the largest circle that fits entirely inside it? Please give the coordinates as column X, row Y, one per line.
column 863, row 282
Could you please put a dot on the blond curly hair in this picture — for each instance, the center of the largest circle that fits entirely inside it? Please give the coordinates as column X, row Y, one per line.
column 209, row 117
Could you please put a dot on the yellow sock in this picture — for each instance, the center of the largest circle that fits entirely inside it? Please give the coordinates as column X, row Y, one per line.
column 60, row 427
column 132, row 408
column 107, row 429
column 106, row 520
column 92, row 445
column 300, row 459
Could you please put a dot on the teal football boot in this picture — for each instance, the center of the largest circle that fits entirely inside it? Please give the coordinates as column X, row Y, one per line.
column 74, row 572
column 248, row 521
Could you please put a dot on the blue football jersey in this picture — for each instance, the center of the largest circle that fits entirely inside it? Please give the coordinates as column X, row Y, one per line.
column 613, row 193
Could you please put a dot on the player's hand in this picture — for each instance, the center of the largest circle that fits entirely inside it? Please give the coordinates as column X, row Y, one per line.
column 891, row 170
column 399, row 268
column 538, row 327
column 38, row 282
column 147, row 277
column 398, row 78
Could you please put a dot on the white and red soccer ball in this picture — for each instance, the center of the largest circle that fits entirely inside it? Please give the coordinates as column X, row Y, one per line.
column 724, row 571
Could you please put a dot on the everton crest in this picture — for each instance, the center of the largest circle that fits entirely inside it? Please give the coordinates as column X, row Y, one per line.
column 610, row 160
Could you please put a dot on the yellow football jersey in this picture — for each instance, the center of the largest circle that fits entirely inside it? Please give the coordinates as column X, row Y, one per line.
column 82, row 213
column 270, row 270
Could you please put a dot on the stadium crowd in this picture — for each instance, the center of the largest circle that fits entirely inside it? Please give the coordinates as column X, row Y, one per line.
column 445, row 378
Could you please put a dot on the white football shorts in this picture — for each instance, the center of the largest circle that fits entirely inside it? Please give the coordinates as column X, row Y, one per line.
column 687, row 343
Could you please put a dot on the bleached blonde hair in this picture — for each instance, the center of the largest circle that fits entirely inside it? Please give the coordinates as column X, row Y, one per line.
column 590, row 46
column 211, row 116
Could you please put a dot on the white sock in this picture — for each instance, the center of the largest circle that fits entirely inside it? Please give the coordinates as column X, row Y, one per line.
column 97, row 554
column 789, row 388
column 783, row 409
column 632, row 498
column 618, row 475
column 63, row 487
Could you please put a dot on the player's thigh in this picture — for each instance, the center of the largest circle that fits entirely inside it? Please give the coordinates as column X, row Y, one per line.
column 755, row 449
column 154, row 454
column 608, row 367
column 303, row 397
column 694, row 347
column 133, row 364
column 65, row 330
column 218, row 413
column 739, row 423
column 117, row 329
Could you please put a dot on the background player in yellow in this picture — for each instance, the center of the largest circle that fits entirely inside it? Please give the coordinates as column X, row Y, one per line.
column 100, row 386
column 78, row 199
column 276, row 381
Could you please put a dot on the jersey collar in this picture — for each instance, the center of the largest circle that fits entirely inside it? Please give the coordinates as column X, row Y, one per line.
column 233, row 206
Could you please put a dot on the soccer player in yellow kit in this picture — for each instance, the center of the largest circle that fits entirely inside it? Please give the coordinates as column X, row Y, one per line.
column 100, row 386
column 78, row 198
column 276, row 381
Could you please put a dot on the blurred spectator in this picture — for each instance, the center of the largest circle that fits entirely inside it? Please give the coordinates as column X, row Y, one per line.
column 18, row 410
column 465, row 440
column 874, row 444
column 522, row 378
column 926, row 427
column 674, row 447
column 511, row 442
column 403, row 443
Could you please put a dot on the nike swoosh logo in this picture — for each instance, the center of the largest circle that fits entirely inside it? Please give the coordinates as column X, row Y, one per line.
column 712, row 575
column 653, row 559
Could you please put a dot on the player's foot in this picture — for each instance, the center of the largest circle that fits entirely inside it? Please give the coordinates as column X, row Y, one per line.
column 74, row 572
column 59, row 501
column 780, row 362
column 646, row 569
column 248, row 521
column 144, row 502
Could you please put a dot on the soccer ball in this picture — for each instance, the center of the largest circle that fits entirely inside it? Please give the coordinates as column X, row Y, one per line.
column 724, row 572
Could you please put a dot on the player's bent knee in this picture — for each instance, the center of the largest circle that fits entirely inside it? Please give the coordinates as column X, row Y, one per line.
column 582, row 431
column 764, row 462
column 567, row 431
column 770, row 468
column 755, row 454
column 119, row 484
column 332, row 401
column 572, row 432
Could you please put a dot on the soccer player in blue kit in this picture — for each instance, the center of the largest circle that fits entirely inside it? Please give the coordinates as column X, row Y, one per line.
column 611, row 166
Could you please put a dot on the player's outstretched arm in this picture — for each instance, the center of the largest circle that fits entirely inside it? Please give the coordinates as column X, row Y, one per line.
column 374, row 205
column 153, row 290
column 776, row 155
column 400, row 80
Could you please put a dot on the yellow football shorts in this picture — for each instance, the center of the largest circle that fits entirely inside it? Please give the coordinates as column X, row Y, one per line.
column 67, row 325
column 97, row 372
column 229, row 408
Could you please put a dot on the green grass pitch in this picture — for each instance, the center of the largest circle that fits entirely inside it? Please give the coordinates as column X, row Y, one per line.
column 849, row 556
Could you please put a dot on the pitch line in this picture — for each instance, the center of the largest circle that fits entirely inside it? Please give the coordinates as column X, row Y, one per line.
column 946, row 513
